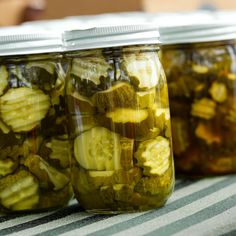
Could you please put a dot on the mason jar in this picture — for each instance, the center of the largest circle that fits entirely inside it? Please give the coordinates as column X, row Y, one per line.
column 119, row 120
column 34, row 157
column 200, row 64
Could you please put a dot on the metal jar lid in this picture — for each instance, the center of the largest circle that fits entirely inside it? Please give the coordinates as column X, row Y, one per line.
column 197, row 33
column 19, row 41
column 112, row 36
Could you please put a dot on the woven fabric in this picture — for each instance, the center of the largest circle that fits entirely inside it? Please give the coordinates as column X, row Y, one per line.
column 197, row 207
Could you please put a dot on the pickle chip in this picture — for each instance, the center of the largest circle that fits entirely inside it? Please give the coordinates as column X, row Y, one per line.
column 118, row 95
column 91, row 69
column 7, row 166
column 23, row 108
column 146, row 99
column 218, row 92
column 143, row 69
column 130, row 123
column 98, row 149
column 204, row 108
column 206, row 132
column 154, row 156
column 19, row 191
column 48, row 175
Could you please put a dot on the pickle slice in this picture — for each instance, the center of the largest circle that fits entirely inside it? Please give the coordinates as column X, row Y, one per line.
column 162, row 120
column 91, row 69
column 146, row 99
column 7, row 166
column 59, row 151
column 204, row 108
column 207, row 133
column 119, row 95
column 218, row 92
column 23, row 108
column 154, row 185
column 3, row 79
column 143, row 69
column 153, row 156
column 200, row 69
column 98, row 149
column 21, row 188
column 130, row 123
column 48, row 175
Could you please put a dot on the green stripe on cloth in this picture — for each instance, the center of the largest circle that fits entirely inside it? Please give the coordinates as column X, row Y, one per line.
column 200, row 216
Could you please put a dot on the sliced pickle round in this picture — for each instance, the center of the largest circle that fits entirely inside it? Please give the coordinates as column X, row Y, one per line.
column 98, row 149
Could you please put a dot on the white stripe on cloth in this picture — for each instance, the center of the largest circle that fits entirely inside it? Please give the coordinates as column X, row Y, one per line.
column 218, row 225
column 180, row 213
column 123, row 218
column 22, row 219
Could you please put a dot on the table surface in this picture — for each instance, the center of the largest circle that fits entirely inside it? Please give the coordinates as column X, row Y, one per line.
column 197, row 207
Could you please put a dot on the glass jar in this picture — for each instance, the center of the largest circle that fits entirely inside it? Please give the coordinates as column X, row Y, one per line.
column 34, row 153
column 119, row 125
column 201, row 74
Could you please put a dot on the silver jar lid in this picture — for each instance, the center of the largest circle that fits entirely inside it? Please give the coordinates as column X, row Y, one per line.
column 112, row 36
column 21, row 41
column 197, row 33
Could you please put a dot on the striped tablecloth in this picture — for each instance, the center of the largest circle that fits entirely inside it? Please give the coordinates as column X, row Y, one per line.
column 197, row 207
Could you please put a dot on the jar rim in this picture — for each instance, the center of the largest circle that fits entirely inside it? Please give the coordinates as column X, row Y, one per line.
column 208, row 32
column 20, row 41
column 112, row 36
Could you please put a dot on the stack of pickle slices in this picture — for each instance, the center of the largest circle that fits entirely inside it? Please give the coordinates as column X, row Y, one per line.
column 120, row 128
column 34, row 158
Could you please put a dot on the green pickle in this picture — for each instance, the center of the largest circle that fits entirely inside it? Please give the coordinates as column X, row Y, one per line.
column 34, row 154
column 201, row 79
column 119, row 129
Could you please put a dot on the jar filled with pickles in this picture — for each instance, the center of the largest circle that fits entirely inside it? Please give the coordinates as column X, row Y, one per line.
column 34, row 157
column 119, row 121
column 200, row 64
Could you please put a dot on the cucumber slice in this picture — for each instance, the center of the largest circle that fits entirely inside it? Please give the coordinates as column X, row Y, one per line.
column 23, row 108
column 98, row 149
column 143, row 69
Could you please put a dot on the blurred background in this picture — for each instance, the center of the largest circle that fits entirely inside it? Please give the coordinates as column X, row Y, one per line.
column 14, row 12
